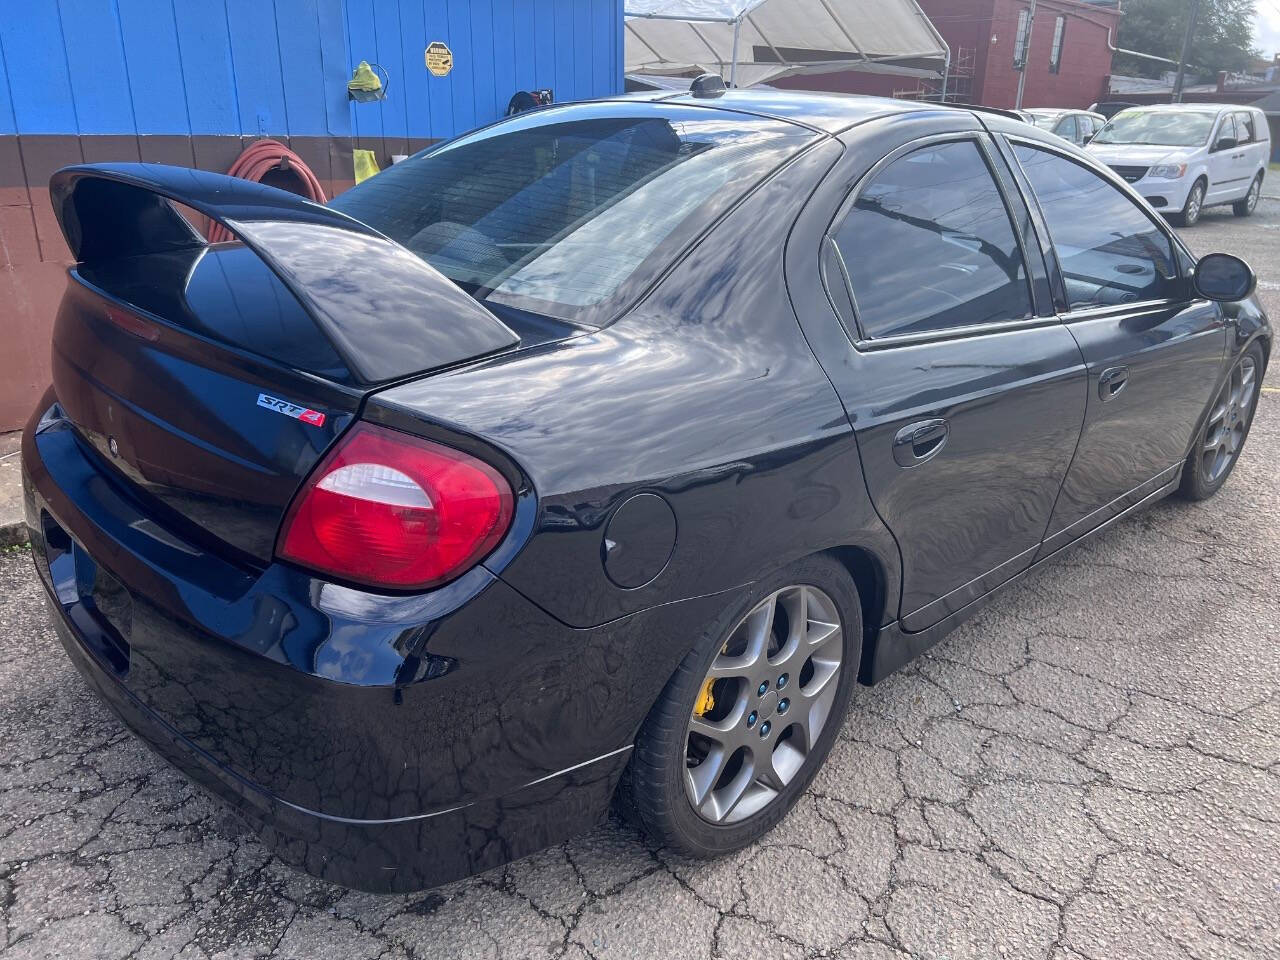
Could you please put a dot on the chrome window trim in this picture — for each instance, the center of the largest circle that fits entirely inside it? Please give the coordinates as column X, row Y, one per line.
column 956, row 333
column 1141, row 307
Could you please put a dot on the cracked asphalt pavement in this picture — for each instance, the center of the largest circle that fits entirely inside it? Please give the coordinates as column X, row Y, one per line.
column 1089, row 769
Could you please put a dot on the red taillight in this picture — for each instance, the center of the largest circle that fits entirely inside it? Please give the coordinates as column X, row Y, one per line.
column 391, row 510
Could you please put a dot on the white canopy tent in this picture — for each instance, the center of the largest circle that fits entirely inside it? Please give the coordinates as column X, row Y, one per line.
column 753, row 41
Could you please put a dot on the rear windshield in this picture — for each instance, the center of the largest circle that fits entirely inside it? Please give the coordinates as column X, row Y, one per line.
column 1045, row 121
column 569, row 212
column 1158, row 128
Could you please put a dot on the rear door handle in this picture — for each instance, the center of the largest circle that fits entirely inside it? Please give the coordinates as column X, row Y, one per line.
column 1111, row 382
column 920, row 441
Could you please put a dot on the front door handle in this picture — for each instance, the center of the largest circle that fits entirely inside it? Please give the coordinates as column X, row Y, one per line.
column 1111, row 382
column 920, row 441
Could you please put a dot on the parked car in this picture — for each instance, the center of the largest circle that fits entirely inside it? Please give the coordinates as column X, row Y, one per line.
column 1109, row 108
column 1185, row 157
column 604, row 448
column 1078, row 126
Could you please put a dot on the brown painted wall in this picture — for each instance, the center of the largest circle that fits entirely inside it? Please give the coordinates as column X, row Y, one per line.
column 34, row 256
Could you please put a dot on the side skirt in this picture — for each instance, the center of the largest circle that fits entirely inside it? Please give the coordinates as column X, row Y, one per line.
column 895, row 647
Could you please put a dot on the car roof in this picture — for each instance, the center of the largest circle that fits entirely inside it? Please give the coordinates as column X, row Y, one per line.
column 1186, row 107
column 828, row 112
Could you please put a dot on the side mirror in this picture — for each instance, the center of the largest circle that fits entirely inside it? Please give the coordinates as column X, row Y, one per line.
column 1224, row 278
column 1226, row 143
column 1087, row 137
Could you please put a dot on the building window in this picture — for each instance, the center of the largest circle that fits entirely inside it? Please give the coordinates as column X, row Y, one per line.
column 1020, row 41
column 1055, row 55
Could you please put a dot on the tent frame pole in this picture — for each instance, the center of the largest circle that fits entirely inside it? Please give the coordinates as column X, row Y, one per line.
column 733, row 64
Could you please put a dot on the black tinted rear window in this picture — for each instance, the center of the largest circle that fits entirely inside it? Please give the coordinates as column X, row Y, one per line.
column 572, row 211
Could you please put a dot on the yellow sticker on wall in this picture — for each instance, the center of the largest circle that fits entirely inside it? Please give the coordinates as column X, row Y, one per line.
column 439, row 59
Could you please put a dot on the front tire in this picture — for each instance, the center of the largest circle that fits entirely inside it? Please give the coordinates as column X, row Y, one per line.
column 1194, row 206
column 1219, row 443
column 750, row 714
column 1245, row 206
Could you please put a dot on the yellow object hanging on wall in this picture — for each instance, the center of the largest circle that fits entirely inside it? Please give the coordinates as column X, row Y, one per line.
column 365, row 85
column 366, row 164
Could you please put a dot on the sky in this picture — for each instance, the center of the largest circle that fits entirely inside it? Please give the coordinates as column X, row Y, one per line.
column 1266, row 27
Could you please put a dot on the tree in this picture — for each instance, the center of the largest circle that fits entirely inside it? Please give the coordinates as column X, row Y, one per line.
column 1223, row 38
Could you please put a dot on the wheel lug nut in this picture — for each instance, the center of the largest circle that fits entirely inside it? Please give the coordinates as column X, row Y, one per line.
column 763, row 688
column 784, row 705
column 765, row 728
column 751, row 719
column 782, row 681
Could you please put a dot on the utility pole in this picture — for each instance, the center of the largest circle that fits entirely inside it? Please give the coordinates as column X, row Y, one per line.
column 1026, row 53
column 1186, row 50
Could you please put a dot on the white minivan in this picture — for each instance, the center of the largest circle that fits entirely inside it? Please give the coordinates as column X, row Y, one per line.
column 1183, row 157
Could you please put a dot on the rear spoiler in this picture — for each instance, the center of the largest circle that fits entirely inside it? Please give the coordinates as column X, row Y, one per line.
column 388, row 312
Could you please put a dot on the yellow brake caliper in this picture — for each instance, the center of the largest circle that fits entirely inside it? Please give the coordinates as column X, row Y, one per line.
column 706, row 700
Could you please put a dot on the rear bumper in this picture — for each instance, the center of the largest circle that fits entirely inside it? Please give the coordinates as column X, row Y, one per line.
column 386, row 743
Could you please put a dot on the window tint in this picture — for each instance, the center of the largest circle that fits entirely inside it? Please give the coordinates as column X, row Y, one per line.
column 565, row 216
column 1110, row 251
column 1244, row 128
column 928, row 245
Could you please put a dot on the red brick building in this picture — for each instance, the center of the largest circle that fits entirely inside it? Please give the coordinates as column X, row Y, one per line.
column 1068, row 59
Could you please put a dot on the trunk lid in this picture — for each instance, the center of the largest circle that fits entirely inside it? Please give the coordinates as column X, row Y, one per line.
column 211, row 379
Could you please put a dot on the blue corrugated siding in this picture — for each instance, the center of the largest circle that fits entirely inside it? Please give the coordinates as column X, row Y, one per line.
column 251, row 67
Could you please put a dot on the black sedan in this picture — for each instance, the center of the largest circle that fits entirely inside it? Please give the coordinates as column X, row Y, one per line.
column 596, row 453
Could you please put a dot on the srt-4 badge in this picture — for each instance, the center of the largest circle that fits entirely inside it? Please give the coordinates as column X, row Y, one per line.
column 313, row 417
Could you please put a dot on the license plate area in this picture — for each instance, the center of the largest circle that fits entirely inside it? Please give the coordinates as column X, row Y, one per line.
column 97, row 606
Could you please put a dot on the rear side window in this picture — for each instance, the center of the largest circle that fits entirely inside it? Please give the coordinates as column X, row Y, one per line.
column 928, row 246
column 564, row 216
column 1110, row 252
column 1067, row 129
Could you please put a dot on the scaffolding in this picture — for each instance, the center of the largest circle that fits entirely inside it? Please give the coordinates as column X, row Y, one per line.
column 958, row 83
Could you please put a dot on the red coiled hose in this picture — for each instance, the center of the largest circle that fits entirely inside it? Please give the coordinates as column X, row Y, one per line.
column 259, row 159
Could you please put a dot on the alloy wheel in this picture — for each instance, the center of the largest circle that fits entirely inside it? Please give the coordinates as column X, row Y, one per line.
column 1195, row 203
column 765, row 701
column 1229, row 419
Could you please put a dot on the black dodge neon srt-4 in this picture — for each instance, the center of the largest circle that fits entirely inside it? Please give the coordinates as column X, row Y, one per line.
column 598, row 452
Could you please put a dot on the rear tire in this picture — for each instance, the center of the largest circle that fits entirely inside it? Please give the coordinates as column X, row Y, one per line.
column 1221, row 440
column 772, row 727
column 1245, row 206
column 1194, row 206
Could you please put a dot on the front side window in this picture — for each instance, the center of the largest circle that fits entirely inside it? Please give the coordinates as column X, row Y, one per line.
column 1227, row 131
column 1068, row 130
column 1055, row 52
column 1110, row 252
column 565, row 216
column 928, row 246
column 1158, row 128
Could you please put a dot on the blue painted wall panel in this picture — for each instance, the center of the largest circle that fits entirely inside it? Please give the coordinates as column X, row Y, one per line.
column 150, row 36
column 95, row 65
column 307, row 91
column 207, row 71
column 254, row 67
column 36, row 63
column 7, row 123
column 255, row 51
